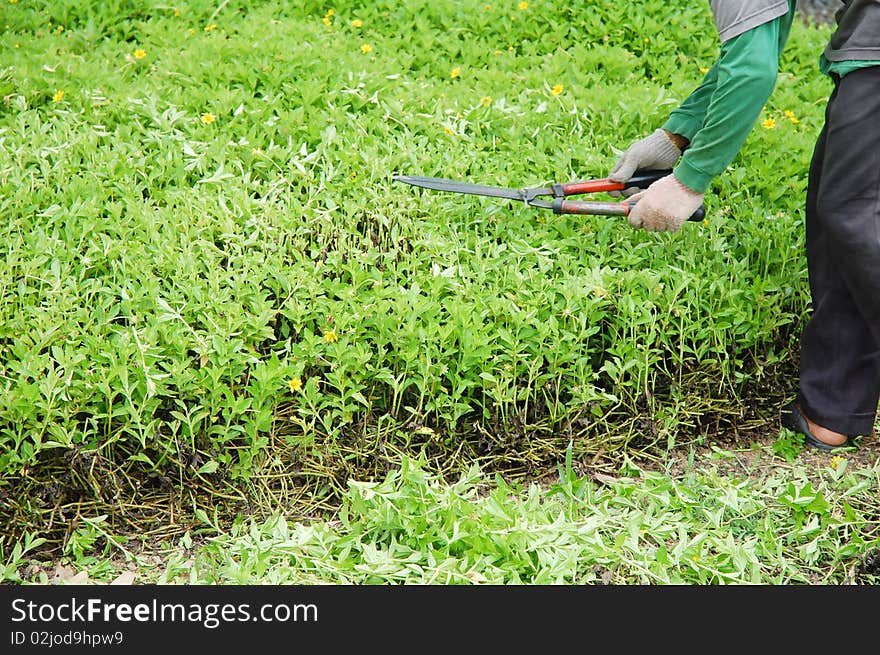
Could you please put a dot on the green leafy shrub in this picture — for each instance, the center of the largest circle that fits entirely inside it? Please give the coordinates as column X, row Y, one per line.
column 210, row 281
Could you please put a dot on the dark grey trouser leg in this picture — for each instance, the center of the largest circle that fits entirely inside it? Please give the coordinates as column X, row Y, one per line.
column 840, row 345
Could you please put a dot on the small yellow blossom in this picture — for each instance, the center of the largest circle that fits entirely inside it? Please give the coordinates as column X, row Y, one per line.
column 211, row 27
column 836, row 461
column 208, row 118
column 12, row 2
column 789, row 114
column 497, row 52
column 330, row 336
column 140, row 53
column 448, row 130
column 704, row 70
column 366, row 48
column 326, row 21
column 556, row 90
column 523, row 6
column 769, row 124
column 191, row 31
column 456, row 72
column 329, row 13
column 486, row 101
column 356, row 22
column 176, row 12
column 59, row 96
column 295, row 384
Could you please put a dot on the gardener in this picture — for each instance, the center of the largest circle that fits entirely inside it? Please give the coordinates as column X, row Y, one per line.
column 839, row 384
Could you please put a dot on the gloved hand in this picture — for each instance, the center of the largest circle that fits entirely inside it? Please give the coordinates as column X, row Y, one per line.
column 656, row 151
column 663, row 206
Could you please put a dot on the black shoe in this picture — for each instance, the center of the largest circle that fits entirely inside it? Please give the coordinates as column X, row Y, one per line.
column 791, row 418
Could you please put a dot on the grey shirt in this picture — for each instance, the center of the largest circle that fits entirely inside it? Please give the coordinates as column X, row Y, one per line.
column 733, row 17
column 858, row 32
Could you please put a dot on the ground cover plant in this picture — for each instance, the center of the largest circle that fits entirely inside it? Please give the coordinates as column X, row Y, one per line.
column 725, row 517
column 214, row 299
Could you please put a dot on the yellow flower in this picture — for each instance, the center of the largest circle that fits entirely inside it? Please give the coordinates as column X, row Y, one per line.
column 330, row 336
column 208, row 118
column 789, row 114
column 557, row 90
column 12, row 2
column 295, row 384
column 191, row 31
column 486, row 101
column 211, row 27
column 769, row 124
column 59, row 96
column 366, row 48
column 448, row 130
column 456, row 72
column 176, row 12
column 836, row 461
column 704, row 70
column 523, row 6
column 356, row 22
column 326, row 20
column 497, row 52
column 140, row 53
column 329, row 13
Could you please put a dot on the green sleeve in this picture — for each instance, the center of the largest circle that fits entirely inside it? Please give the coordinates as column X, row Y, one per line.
column 841, row 68
column 718, row 116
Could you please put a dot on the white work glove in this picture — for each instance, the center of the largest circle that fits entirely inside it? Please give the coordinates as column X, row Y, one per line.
column 655, row 152
column 663, row 206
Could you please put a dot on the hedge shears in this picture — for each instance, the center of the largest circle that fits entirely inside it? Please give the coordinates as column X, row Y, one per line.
column 558, row 192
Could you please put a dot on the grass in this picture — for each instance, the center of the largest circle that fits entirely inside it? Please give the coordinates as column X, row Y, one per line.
column 726, row 517
column 215, row 302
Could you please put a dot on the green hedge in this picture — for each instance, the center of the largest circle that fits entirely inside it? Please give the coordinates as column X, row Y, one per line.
column 198, row 217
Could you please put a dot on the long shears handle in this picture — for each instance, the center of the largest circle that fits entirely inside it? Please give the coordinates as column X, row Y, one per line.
column 562, row 206
column 642, row 180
